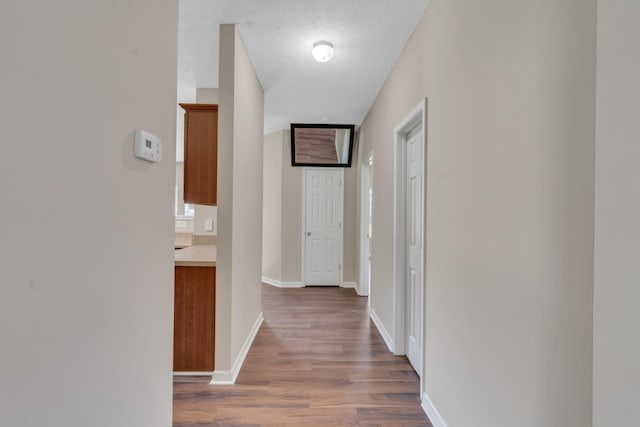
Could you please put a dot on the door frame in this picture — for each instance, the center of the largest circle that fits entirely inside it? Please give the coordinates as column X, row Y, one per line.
column 410, row 121
column 303, row 239
column 366, row 183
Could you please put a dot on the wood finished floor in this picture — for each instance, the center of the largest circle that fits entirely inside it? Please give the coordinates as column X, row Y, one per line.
column 316, row 361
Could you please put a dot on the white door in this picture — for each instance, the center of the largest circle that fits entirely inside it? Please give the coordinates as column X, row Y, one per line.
column 366, row 204
column 413, row 272
column 323, row 226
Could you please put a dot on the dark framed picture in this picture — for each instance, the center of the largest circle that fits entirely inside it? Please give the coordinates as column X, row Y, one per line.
column 327, row 145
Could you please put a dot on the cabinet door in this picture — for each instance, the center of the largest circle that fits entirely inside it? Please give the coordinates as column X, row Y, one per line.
column 194, row 319
column 200, row 153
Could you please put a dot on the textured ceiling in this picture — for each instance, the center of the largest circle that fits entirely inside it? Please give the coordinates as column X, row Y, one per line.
column 368, row 36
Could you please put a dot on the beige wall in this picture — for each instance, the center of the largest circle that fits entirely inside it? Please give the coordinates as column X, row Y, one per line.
column 616, row 373
column 272, row 207
column 201, row 214
column 291, row 215
column 289, row 260
column 509, row 250
column 195, row 224
column 283, row 209
column 180, row 187
column 239, row 271
column 207, row 95
column 350, row 238
column 86, row 259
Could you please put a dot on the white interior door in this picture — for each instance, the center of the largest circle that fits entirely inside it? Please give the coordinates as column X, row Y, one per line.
column 366, row 203
column 323, row 226
column 414, row 221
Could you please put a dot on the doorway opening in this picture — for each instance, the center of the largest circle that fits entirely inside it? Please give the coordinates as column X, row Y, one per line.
column 366, row 215
column 322, row 212
column 409, row 209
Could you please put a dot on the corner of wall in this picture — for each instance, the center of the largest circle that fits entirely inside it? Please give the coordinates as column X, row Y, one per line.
column 239, row 264
column 430, row 409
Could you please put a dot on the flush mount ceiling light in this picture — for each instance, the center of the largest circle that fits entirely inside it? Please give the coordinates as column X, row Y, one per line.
column 322, row 51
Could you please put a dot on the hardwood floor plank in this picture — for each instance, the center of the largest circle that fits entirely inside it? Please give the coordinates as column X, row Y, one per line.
column 316, row 361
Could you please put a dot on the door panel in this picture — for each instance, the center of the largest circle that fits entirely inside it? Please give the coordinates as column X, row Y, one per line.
column 366, row 199
column 323, row 226
column 414, row 273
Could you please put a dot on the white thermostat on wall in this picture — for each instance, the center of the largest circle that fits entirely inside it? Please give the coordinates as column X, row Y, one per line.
column 147, row 146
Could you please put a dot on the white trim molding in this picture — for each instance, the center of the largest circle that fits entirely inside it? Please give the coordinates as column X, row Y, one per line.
column 303, row 241
column 352, row 285
column 222, row 378
column 229, row 377
column 192, row 374
column 417, row 117
column 383, row 332
column 279, row 284
column 365, row 189
column 431, row 411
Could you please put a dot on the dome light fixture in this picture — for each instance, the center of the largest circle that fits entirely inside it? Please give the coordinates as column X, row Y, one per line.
column 322, row 51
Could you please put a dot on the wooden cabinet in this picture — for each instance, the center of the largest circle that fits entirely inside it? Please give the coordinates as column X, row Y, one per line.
column 194, row 319
column 200, row 153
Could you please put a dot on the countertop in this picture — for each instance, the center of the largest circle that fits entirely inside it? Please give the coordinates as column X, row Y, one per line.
column 196, row 256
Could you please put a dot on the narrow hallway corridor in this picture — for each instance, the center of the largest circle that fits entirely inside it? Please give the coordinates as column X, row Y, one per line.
column 317, row 360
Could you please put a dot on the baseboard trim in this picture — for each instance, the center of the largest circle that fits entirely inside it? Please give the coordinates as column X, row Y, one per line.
column 279, row 284
column 229, row 376
column 385, row 335
column 431, row 411
column 192, row 374
column 352, row 285
column 360, row 292
column 222, row 378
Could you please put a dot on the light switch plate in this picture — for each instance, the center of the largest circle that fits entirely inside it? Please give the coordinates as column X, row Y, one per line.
column 208, row 224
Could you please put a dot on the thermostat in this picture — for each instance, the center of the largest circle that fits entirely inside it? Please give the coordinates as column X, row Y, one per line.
column 147, row 146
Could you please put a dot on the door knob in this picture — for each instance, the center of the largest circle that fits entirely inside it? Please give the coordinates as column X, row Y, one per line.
column 308, row 233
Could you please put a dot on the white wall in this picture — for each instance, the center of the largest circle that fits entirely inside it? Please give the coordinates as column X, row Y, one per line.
column 201, row 214
column 509, row 216
column 86, row 230
column 291, row 215
column 616, row 372
column 272, row 206
column 284, row 187
column 239, row 266
column 207, row 95
column 351, row 236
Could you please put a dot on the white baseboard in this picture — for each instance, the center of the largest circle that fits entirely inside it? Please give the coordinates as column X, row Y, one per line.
column 360, row 292
column 279, row 284
column 385, row 335
column 431, row 411
column 353, row 285
column 222, row 378
column 229, row 377
column 192, row 374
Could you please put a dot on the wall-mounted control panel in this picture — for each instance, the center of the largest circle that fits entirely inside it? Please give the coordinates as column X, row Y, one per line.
column 147, row 146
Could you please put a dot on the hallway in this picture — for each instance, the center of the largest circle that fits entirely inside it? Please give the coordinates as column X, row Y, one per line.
column 317, row 361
